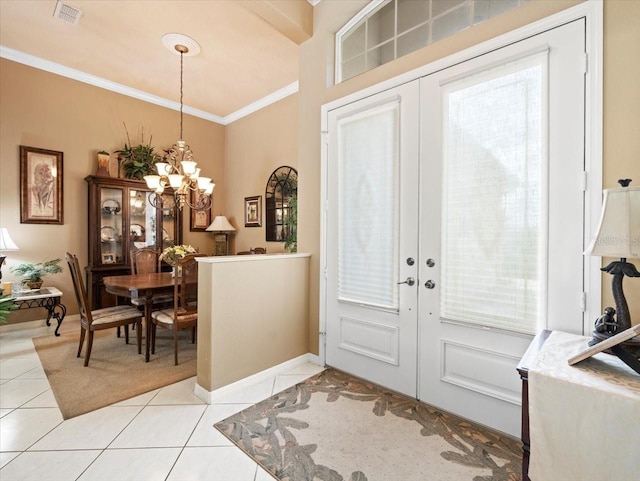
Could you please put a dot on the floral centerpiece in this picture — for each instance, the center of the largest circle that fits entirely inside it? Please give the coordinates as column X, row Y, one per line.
column 171, row 253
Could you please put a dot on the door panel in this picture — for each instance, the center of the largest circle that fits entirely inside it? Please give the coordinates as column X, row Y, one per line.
column 372, row 180
column 502, row 157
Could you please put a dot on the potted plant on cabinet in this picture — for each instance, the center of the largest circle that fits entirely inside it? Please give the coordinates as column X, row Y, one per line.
column 34, row 273
column 137, row 160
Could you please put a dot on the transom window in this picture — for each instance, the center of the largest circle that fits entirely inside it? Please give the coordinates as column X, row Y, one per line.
column 387, row 29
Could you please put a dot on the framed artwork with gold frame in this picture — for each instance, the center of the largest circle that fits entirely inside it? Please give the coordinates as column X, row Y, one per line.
column 199, row 219
column 40, row 186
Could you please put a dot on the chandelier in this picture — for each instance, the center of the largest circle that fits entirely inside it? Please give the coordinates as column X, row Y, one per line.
column 178, row 169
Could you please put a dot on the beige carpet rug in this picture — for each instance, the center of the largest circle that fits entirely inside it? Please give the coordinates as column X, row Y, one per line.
column 116, row 371
column 334, row 427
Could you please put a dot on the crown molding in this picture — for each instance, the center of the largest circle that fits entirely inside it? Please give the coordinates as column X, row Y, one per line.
column 290, row 89
column 55, row 68
column 314, row 2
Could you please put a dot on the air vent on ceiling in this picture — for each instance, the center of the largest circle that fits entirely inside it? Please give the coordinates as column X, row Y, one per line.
column 67, row 13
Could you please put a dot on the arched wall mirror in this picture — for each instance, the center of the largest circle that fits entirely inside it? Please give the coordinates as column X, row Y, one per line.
column 281, row 199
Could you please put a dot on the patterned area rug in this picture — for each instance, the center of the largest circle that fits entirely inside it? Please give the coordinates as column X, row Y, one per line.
column 333, row 427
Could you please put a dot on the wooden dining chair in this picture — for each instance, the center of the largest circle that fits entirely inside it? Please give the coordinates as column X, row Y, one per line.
column 99, row 319
column 184, row 313
column 147, row 261
column 144, row 260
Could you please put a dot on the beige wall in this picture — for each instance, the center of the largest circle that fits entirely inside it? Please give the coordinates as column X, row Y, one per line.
column 622, row 119
column 621, row 97
column 256, row 146
column 44, row 110
column 256, row 311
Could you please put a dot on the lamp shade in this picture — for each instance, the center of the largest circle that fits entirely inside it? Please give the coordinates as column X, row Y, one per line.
column 618, row 233
column 6, row 243
column 221, row 224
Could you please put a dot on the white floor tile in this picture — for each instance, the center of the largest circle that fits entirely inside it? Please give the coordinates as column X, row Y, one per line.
column 4, row 412
column 160, row 426
column 6, row 457
column 16, row 392
column 35, row 373
column 23, row 349
column 141, row 400
column 263, row 475
column 48, row 465
column 284, row 381
column 23, row 427
column 179, row 393
column 15, row 367
column 205, row 434
column 307, row 368
column 94, row 430
column 249, row 395
column 228, row 464
column 44, row 400
column 132, row 465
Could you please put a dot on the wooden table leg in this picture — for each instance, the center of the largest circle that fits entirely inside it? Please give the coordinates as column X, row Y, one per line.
column 147, row 321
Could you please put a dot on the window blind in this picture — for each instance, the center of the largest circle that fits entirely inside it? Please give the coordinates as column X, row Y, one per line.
column 494, row 237
column 368, row 157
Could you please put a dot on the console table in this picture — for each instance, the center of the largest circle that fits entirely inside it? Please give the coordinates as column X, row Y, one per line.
column 47, row 298
column 578, row 421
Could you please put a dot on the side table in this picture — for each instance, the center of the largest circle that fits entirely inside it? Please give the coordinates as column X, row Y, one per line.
column 523, row 370
column 47, row 298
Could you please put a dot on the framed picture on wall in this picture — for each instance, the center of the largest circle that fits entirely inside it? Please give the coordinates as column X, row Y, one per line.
column 200, row 219
column 253, row 211
column 40, row 186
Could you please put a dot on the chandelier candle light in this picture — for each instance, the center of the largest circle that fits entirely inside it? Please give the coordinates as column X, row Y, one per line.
column 179, row 169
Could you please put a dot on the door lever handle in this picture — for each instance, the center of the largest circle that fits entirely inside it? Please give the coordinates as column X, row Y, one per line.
column 410, row 281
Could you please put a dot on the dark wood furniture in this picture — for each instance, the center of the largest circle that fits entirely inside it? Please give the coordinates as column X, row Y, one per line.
column 121, row 218
column 523, row 368
column 144, row 287
column 184, row 312
column 92, row 320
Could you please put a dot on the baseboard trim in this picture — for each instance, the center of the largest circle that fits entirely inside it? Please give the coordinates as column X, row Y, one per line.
column 210, row 397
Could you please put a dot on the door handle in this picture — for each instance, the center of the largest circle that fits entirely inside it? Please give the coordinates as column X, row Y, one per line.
column 410, row 281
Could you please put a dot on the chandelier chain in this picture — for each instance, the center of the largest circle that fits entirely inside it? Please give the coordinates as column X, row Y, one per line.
column 181, row 72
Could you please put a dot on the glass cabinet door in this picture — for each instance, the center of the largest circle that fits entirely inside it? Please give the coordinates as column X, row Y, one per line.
column 169, row 221
column 143, row 219
column 111, row 226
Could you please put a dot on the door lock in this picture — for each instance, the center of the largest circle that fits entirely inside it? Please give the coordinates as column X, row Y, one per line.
column 429, row 284
column 410, row 261
column 431, row 263
column 410, row 281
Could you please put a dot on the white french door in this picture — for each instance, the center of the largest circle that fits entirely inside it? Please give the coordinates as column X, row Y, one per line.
column 501, row 218
column 469, row 181
column 372, row 211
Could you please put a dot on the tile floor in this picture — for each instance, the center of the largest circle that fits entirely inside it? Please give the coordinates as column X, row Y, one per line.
column 166, row 434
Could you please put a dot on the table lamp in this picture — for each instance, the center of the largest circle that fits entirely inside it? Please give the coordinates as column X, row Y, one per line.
column 618, row 235
column 221, row 227
column 6, row 244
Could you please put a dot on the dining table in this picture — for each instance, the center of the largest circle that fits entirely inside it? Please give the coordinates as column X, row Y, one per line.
column 143, row 287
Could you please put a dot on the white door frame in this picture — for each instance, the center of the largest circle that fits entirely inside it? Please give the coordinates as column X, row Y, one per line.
column 592, row 11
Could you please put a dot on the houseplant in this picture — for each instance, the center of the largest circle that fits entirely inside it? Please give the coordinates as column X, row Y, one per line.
column 6, row 306
column 137, row 160
column 34, row 273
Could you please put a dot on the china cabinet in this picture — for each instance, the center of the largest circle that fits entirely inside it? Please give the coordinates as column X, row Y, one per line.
column 121, row 218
